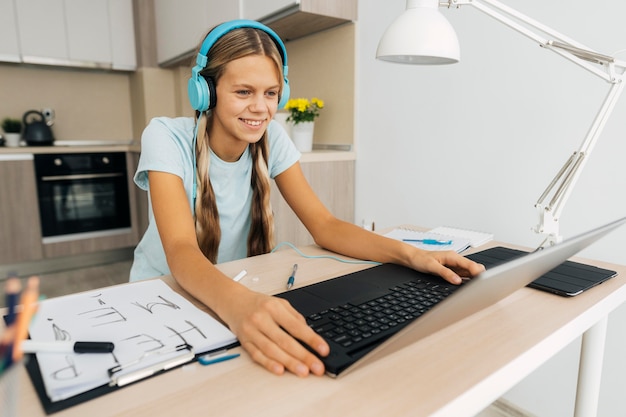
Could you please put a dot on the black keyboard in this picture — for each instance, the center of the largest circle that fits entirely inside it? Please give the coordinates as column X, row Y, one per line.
column 355, row 327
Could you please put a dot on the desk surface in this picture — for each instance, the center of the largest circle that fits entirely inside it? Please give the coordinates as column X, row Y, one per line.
column 456, row 372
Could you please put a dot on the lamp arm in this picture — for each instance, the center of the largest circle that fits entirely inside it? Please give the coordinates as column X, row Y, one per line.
column 571, row 170
column 604, row 66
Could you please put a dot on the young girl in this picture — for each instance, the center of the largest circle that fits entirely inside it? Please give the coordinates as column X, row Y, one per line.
column 209, row 202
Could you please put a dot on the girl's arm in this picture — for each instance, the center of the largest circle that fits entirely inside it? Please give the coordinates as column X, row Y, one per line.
column 263, row 324
column 350, row 240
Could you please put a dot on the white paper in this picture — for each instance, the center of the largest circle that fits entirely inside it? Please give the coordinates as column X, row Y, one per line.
column 145, row 320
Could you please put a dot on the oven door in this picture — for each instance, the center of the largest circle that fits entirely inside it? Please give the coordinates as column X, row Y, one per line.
column 81, row 203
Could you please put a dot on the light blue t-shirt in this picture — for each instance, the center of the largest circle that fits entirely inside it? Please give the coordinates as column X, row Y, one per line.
column 166, row 146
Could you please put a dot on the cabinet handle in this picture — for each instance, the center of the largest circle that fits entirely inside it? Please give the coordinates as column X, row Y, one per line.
column 80, row 176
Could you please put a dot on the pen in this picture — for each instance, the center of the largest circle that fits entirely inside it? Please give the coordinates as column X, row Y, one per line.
column 429, row 241
column 292, row 277
column 131, row 377
column 216, row 357
column 32, row 346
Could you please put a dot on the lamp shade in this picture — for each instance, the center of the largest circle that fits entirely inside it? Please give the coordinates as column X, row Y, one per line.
column 421, row 35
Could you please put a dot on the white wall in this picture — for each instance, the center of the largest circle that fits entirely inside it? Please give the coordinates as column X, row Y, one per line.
column 474, row 144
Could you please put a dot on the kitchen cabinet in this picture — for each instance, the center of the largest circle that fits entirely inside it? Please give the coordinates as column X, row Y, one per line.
column 181, row 25
column 9, row 47
column 333, row 182
column 19, row 212
column 41, row 29
column 292, row 19
column 87, row 26
column 20, row 220
column 122, row 28
column 97, row 33
column 259, row 10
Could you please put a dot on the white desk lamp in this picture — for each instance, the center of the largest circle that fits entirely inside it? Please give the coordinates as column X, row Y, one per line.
column 423, row 36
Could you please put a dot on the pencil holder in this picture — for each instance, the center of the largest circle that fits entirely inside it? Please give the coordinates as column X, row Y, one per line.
column 9, row 391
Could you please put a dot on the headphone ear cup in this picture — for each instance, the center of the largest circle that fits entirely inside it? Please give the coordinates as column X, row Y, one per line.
column 212, row 100
column 198, row 91
column 284, row 98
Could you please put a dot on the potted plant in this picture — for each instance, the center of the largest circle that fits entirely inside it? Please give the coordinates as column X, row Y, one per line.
column 12, row 131
column 302, row 113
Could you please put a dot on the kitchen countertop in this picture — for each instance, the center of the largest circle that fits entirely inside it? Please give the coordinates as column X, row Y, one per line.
column 73, row 147
column 321, row 155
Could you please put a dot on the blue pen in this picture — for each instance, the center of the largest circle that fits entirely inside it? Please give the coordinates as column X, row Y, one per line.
column 292, row 277
column 210, row 359
column 429, row 241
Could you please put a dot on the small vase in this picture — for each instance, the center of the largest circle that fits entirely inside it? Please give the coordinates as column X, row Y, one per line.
column 302, row 136
column 12, row 139
column 281, row 117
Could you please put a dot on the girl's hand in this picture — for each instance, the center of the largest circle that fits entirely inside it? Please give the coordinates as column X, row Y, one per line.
column 447, row 264
column 268, row 327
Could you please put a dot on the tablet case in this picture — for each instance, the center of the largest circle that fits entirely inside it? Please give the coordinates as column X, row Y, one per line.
column 568, row 279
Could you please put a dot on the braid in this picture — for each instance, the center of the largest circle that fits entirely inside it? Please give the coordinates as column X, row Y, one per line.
column 207, row 218
column 261, row 237
column 238, row 43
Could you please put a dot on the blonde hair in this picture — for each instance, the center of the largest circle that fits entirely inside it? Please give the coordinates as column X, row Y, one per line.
column 235, row 44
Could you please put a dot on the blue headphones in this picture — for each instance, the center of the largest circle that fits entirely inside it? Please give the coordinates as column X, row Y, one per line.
column 201, row 91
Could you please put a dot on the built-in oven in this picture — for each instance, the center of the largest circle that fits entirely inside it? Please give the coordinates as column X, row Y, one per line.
column 82, row 195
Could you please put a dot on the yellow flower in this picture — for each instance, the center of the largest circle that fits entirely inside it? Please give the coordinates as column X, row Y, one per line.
column 303, row 110
column 319, row 103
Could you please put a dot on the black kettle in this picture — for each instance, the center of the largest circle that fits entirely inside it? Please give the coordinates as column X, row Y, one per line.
column 36, row 131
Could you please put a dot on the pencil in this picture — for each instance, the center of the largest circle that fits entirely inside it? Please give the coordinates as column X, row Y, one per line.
column 28, row 300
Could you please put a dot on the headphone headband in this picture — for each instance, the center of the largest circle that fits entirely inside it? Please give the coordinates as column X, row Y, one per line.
column 202, row 94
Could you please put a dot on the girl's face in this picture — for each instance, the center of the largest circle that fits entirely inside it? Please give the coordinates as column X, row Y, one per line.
column 247, row 99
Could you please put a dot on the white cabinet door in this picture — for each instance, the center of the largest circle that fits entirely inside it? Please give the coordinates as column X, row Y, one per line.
column 122, row 29
column 258, row 10
column 180, row 25
column 88, row 34
column 41, row 29
column 9, row 47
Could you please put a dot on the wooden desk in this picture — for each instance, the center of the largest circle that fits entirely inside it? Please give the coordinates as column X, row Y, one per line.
column 457, row 372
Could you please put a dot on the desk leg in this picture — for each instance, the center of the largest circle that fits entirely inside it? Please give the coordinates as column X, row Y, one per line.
column 590, row 369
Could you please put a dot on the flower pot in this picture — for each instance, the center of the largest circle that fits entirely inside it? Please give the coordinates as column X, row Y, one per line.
column 281, row 117
column 12, row 139
column 302, row 136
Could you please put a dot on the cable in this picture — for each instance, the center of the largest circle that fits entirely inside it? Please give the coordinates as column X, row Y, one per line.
column 347, row 261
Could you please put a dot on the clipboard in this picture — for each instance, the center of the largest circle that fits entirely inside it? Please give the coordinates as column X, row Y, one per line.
column 50, row 407
column 145, row 322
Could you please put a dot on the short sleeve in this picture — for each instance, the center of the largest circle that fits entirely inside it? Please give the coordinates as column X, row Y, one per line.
column 165, row 147
column 283, row 153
